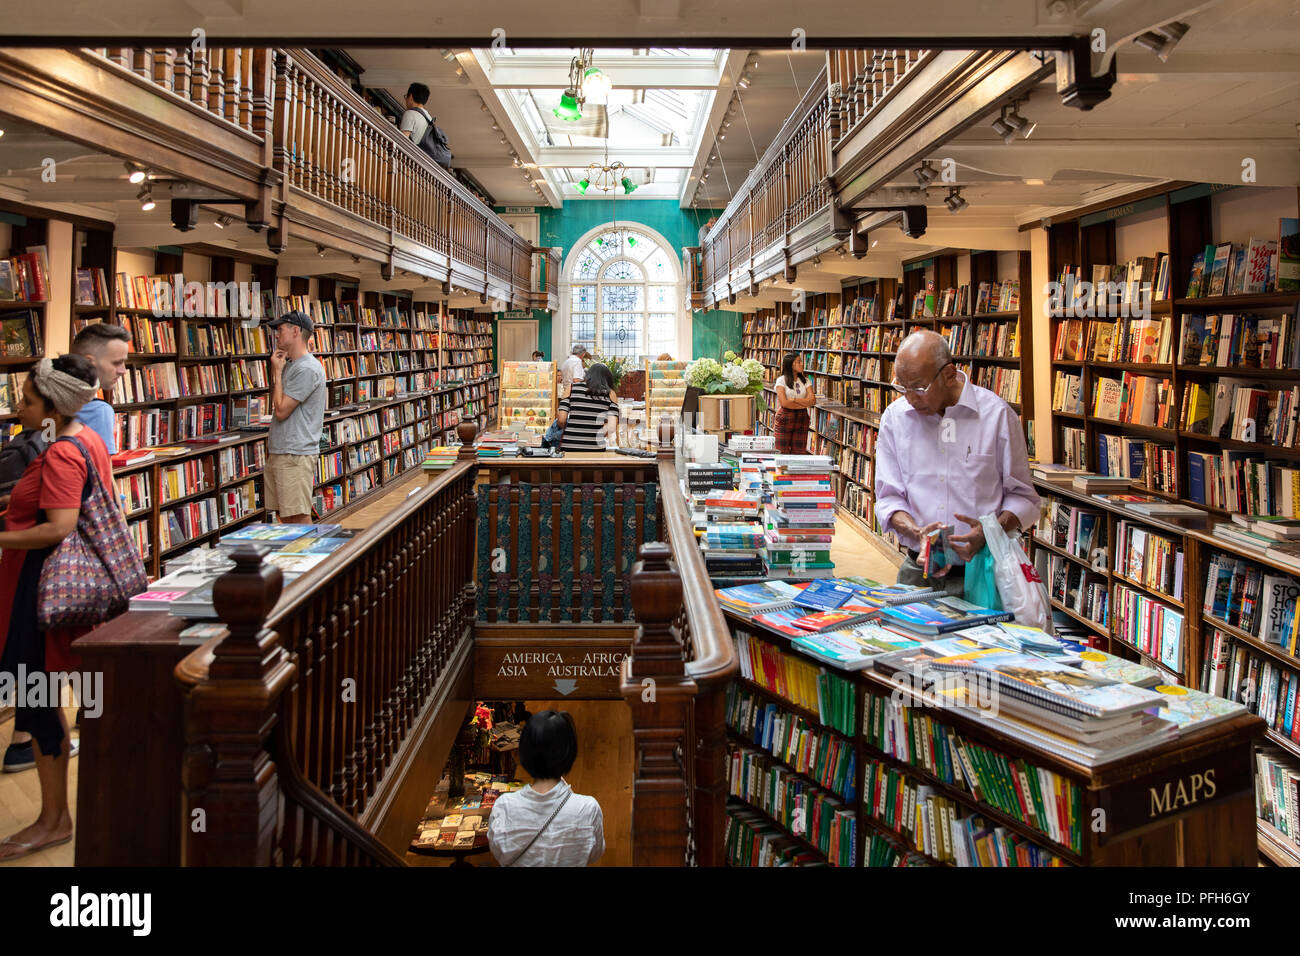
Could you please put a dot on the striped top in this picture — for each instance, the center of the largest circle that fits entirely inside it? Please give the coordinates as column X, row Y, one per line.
column 585, row 425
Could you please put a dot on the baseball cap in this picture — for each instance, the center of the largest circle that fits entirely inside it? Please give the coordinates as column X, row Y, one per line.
column 300, row 319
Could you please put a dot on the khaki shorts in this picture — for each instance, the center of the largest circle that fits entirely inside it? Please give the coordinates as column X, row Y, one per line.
column 289, row 481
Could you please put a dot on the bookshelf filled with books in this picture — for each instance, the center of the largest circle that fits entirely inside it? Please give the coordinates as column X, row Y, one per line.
column 198, row 378
column 1209, row 604
column 1183, row 376
column 874, row 765
column 24, row 300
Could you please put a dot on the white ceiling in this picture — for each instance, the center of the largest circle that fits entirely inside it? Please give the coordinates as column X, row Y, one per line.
column 490, row 88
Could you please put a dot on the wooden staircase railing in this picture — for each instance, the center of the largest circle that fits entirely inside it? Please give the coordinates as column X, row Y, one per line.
column 675, row 683
column 317, row 729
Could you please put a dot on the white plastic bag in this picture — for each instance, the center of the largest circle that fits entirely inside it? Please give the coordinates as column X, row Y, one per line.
column 1021, row 589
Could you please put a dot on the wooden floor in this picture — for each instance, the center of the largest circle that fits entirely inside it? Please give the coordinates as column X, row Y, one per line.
column 604, row 767
column 20, row 804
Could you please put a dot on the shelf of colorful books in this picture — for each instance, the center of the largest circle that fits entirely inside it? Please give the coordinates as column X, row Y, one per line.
column 1065, row 609
column 1272, row 650
column 1257, row 300
column 1152, row 592
column 969, row 801
column 1276, row 846
column 738, row 802
column 1082, row 562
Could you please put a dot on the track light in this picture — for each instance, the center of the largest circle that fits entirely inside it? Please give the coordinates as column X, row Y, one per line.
column 743, row 82
column 146, row 199
column 448, row 55
column 320, row 251
column 954, row 201
column 223, row 221
column 1162, row 40
column 925, row 173
column 134, row 174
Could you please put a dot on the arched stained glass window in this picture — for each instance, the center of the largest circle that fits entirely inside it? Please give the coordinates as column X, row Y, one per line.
column 622, row 296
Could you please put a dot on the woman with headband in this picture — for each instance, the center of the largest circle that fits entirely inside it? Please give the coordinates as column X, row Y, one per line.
column 43, row 510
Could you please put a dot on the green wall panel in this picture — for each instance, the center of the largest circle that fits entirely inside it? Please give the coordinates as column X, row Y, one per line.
column 713, row 332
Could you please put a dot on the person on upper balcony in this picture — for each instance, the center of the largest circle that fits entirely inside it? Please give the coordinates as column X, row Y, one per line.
column 947, row 454
column 416, row 119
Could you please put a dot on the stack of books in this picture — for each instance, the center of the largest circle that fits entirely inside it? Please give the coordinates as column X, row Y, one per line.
column 707, row 477
column 440, row 457
column 800, row 518
column 1068, row 702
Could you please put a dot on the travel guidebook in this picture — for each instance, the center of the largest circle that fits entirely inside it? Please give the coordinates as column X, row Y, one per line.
column 853, row 649
column 1052, row 685
column 941, row 615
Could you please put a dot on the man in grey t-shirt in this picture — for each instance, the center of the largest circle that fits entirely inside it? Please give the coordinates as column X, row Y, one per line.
column 416, row 118
column 298, row 407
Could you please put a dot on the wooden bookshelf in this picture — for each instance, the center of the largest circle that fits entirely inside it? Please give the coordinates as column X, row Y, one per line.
column 1220, row 833
column 1187, row 215
column 30, row 231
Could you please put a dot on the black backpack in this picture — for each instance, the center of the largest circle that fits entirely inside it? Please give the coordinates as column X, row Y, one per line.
column 434, row 142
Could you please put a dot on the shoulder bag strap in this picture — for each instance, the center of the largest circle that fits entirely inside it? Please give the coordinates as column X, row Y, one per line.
column 91, row 473
column 530, row 843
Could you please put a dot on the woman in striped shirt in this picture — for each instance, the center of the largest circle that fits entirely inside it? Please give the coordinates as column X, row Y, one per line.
column 588, row 414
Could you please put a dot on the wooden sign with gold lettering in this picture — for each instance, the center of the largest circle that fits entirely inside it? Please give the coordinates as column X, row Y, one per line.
column 1161, row 796
column 549, row 668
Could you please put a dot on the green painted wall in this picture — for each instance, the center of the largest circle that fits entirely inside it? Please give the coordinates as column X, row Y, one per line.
column 713, row 332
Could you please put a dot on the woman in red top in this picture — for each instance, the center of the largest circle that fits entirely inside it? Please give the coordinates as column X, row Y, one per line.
column 43, row 510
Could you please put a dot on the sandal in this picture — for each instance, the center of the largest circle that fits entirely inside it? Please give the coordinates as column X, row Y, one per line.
column 29, row 848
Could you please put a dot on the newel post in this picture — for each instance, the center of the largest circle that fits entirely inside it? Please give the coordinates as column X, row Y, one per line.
column 467, row 432
column 659, row 694
column 230, row 792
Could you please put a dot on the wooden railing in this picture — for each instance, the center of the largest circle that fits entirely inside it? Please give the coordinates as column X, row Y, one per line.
column 675, row 683
column 786, row 188
column 231, row 83
column 557, row 539
column 860, row 80
column 325, row 145
column 317, row 729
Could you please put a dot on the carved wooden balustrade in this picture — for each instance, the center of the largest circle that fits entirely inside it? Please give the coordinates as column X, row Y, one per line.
column 787, row 189
column 317, row 729
column 557, row 537
column 675, row 682
column 231, row 83
column 860, row 80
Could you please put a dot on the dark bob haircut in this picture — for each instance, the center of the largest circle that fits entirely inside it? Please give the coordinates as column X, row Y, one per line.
column 548, row 745
column 599, row 381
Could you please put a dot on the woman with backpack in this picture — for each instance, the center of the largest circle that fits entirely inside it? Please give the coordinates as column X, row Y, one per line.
column 45, row 508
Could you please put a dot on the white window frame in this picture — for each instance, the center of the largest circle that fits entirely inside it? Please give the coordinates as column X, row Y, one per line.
column 562, row 330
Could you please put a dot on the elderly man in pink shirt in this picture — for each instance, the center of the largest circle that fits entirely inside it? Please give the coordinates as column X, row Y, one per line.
column 948, row 453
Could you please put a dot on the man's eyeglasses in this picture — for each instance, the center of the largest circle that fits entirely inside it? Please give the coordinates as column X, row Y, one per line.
column 905, row 390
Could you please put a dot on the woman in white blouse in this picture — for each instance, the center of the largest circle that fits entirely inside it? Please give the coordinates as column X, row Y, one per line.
column 794, row 396
column 546, row 823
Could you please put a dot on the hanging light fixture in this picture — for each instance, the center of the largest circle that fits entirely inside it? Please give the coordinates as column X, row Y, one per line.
column 586, row 81
column 606, row 176
column 925, row 173
column 134, row 174
column 145, row 196
column 954, row 200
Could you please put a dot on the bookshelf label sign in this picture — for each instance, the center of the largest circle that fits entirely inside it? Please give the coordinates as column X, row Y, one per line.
column 561, row 668
column 1169, row 793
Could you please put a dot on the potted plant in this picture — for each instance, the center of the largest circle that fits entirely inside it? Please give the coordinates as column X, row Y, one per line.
column 618, row 365
column 732, row 376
